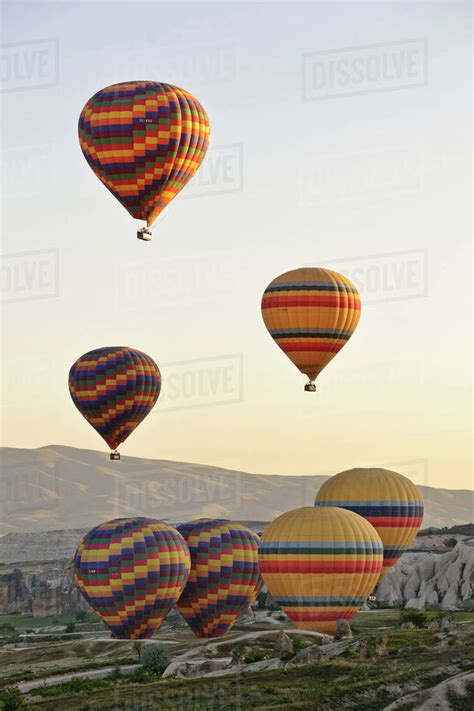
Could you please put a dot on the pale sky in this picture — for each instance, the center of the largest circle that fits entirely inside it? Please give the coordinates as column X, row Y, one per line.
column 340, row 137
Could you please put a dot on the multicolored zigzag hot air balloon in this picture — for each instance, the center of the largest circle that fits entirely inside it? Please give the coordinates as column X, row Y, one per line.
column 388, row 500
column 144, row 140
column 114, row 389
column 320, row 564
column 311, row 313
column 131, row 571
column 224, row 574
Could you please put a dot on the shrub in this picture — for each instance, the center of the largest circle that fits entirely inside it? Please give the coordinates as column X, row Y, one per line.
column 11, row 699
column 70, row 627
column 154, row 658
column 299, row 643
column 81, row 616
column 417, row 617
column 450, row 542
column 256, row 655
column 7, row 629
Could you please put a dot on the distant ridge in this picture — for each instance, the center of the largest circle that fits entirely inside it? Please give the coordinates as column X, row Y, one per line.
column 56, row 487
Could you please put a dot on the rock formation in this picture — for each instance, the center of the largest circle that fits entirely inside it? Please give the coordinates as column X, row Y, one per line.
column 39, row 590
column 422, row 580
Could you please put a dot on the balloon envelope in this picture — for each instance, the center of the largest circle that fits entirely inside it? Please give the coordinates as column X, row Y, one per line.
column 320, row 564
column 144, row 140
column 114, row 388
column 388, row 500
column 311, row 313
column 224, row 574
column 131, row 571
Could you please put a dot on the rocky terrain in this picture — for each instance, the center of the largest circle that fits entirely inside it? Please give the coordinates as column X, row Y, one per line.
column 35, row 574
column 423, row 580
column 39, row 590
column 382, row 663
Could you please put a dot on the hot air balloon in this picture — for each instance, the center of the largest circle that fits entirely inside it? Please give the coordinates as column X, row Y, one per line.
column 320, row 564
column 311, row 313
column 131, row 571
column 388, row 500
column 144, row 140
column 114, row 389
column 223, row 577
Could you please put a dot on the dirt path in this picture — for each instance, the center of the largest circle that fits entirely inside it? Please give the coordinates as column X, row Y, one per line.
column 27, row 686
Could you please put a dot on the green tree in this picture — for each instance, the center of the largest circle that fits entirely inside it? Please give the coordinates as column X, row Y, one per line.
column 154, row 658
column 81, row 616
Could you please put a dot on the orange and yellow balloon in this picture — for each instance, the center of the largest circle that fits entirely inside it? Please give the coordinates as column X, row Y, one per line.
column 320, row 564
column 311, row 313
column 388, row 500
column 144, row 140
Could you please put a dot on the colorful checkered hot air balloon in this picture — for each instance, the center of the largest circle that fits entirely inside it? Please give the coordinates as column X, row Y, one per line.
column 311, row 313
column 144, row 140
column 223, row 577
column 388, row 500
column 114, row 388
column 131, row 571
column 320, row 564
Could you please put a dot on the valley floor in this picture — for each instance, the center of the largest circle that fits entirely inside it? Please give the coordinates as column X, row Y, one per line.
column 382, row 667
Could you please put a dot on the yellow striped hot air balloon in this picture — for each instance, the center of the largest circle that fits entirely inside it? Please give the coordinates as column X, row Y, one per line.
column 311, row 313
column 388, row 500
column 320, row 564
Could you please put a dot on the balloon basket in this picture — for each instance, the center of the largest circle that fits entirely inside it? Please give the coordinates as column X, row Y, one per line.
column 114, row 456
column 144, row 234
column 310, row 387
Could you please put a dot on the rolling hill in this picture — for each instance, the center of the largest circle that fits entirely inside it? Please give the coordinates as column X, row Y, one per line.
column 58, row 487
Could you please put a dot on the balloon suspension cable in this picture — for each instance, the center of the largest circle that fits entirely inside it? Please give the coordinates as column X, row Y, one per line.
column 310, row 387
column 114, row 455
column 144, row 234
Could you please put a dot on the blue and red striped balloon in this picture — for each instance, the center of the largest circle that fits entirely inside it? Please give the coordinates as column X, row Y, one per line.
column 320, row 564
column 388, row 500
